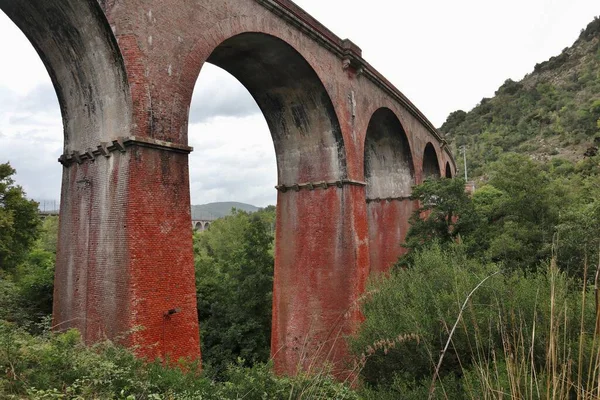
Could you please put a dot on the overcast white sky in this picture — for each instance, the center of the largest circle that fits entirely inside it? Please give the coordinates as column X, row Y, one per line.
column 444, row 55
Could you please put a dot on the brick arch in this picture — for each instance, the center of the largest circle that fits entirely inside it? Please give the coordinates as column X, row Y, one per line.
column 431, row 165
column 82, row 57
column 448, row 170
column 309, row 149
column 298, row 110
column 388, row 162
column 390, row 175
column 417, row 136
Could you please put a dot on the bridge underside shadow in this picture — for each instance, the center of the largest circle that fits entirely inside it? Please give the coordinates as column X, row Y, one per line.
column 389, row 172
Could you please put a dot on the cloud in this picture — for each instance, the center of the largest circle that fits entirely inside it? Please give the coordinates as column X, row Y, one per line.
column 22, row 68
column 32, row 139
column 218, row 94
column 38, row 170
column 35, row 112
column 42, row 99
column 7, row 98
column 233, row 160
column 37, row 108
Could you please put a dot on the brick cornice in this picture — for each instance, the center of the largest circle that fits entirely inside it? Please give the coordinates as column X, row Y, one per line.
column 319, row 185
column 388, row 199
column 120, row 145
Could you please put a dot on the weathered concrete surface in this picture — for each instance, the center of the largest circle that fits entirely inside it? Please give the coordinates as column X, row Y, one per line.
column 389, row 173
column 388, row 226
column 320, row 272
column 127, row 68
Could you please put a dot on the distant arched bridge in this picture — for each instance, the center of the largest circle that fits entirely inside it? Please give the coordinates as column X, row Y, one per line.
column 201, row 220
column 201, row 225
column 349, row 145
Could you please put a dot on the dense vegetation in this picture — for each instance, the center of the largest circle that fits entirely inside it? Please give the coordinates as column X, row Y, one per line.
column 552, row 112
column 530, row 328
column 518, row 335
column 523, row 209
column 27, row 255
column 497, row 296
column 18, row 220
column 51, row 366
column 234, row 281
column 234, row 265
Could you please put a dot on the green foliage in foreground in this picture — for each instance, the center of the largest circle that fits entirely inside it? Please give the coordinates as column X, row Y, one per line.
column 58, row 366
column 503, row 337
column 441, row 203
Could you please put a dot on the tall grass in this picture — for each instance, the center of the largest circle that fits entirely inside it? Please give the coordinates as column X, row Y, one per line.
column 571, row 363
column 511, row 336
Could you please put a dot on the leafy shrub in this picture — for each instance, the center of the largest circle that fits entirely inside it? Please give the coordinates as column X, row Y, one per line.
column 409, row 317
column 59, row 366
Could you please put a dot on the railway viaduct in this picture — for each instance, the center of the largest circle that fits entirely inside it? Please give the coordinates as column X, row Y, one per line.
column 348, row 144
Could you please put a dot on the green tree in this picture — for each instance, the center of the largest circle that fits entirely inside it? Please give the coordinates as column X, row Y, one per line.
column 511, row 220
column 578, row 229
column 521, row 215
column 19, row 220
column 445, row 214
column 254, row 281
column 234, row 280
column 26, row 291
column 35, row 280
column 48, row 235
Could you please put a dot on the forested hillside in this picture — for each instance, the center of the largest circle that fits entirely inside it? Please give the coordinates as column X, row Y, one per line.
column 219, row 210
column 552, row 112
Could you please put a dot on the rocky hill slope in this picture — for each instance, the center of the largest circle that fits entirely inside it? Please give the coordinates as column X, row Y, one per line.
column 552, row 112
